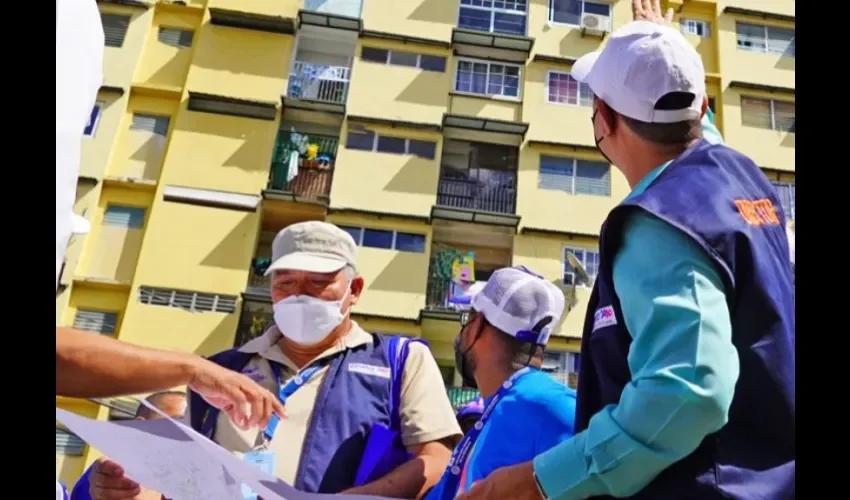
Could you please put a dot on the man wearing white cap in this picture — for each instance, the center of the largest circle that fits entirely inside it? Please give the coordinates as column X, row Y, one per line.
column 686, row 384
column 500, row 350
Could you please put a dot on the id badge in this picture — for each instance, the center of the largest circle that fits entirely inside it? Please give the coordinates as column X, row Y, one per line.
column 262, row 459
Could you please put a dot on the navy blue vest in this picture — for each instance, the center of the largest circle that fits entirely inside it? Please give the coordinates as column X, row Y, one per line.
column 347, row 406
column 753, row 455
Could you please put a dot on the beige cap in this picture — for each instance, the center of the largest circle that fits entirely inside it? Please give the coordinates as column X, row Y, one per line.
column 313, row 246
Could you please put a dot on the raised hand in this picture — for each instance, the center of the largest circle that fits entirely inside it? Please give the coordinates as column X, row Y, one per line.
column 650, row 10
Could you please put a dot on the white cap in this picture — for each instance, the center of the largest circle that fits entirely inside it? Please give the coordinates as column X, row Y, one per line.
column 79, row 225
column 641, row 63
column 520, row 303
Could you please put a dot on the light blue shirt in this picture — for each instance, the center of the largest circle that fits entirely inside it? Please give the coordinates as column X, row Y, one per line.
column 537, row 413
column 683, row 364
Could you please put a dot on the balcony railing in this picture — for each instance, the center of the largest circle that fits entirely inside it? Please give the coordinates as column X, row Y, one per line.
column 348, row 8
column 476, row 195
column 438, row 293
column 319, row 82
column 459, row 396
column 315, row 156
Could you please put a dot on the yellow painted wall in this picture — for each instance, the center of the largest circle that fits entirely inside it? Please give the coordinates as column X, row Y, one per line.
column 119, row 63
column 399, row 92
column 111, row 252
column 577, row 213
column 495, row 107
column 220, row 152
column 386, row 182
column 85, row 205
column 753, row 67
column 543, row 255
column 193, row 247
column 551, row 122
column 69, row 467
column 139, row 153
column 277, row 8
column 395, row 281
column 563, row 40
column 706, row 46
column 240, row 63
column 165, row 65
column 96, row 149
column 432, row 19
column 772, row 149
column 783, row 7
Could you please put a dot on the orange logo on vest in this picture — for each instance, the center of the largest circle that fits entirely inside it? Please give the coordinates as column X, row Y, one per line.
column 758, row 212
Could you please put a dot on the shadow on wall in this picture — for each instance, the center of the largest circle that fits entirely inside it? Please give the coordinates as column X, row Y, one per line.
column 416, row 176
column 397, row 276
column 148, row 159
column 256, row 136
column 786, row 63
column 239, row 51
column 427, row 89
column 232, row 251
column 172, row 73
column 789, row 140
column 574, row 45
column 221, row 337
column 434, row 11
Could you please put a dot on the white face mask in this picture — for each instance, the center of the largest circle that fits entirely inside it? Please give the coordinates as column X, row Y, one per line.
column 307, row 320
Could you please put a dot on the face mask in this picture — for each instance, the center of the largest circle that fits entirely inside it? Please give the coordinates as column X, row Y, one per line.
column 598, row 140
column 307, row 320
column 464, row 364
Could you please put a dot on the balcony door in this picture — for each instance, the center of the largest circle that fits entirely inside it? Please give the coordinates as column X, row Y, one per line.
column 478, row 176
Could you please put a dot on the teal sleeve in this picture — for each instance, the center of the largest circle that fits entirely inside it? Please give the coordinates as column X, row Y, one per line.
column 709, row 131
column 683, row 363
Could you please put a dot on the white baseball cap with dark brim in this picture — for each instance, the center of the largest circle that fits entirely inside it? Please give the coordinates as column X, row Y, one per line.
column 641, row 63
column 313, row 246
column 79, row 225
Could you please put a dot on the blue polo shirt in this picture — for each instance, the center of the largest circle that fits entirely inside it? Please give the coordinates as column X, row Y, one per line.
column 537, row 413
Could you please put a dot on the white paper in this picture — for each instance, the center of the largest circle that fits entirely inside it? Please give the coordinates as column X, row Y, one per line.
column 169, row 457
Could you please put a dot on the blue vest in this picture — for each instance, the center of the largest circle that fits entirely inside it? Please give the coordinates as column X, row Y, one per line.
column 753, row 456
column 349, row 405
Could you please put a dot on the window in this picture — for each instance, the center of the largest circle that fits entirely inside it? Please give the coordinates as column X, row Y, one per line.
column 695, row 27
column 114, row 28
column 150, row 123
column 91, row 320
column 494, row 16
column 68, row 443
column 487, row 78
column 124, row 216
column 94, row 117
column 387, row 239
column 787, row 193
column 767, row 39
column 370, row 141
column 575, row 176
column 589, row 259
column 562, row 366
column 571, row 11
column 564, row 89
column 768, row 113
column 187, row 300
column 400, row 58
column 175, row 37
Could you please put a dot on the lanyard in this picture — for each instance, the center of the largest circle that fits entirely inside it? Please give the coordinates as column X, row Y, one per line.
column 462, row 451
column 284, row 391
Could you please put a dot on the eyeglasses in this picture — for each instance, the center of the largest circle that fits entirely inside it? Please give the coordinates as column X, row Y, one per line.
column 467, row 317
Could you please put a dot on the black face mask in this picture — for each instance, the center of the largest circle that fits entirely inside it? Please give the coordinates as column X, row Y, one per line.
column 598, row 140
column 463, row 362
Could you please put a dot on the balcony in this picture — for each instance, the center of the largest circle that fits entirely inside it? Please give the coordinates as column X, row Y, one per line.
column 459, row 396
column 321, row 70
column 344, row 8
column 302, row 166
column 319, row 82
column 478, row 183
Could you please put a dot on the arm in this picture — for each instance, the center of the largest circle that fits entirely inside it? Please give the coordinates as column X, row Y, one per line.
column 89, row 365
column 683, row 362
column 428, row 426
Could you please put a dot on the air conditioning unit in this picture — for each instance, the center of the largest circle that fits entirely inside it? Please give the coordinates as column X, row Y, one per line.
column 595, row 23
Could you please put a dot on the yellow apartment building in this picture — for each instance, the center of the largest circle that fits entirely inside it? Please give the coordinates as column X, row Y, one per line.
column 431, row 130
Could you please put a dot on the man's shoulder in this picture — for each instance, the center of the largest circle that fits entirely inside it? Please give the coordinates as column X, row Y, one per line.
column 540, row 397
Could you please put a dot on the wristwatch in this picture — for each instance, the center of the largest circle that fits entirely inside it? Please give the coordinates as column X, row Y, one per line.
column 540, row 490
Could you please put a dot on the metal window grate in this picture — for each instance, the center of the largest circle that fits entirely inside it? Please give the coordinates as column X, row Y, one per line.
column 187, row 300
column 151, row 123
column 114, row 28
column 68, row 443
column 175, row 37
column 89, row 320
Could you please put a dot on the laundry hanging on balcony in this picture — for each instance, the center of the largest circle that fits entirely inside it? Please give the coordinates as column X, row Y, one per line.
column 298, row 146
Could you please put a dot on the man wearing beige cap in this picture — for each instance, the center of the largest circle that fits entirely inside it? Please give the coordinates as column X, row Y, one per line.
column 366, row 413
